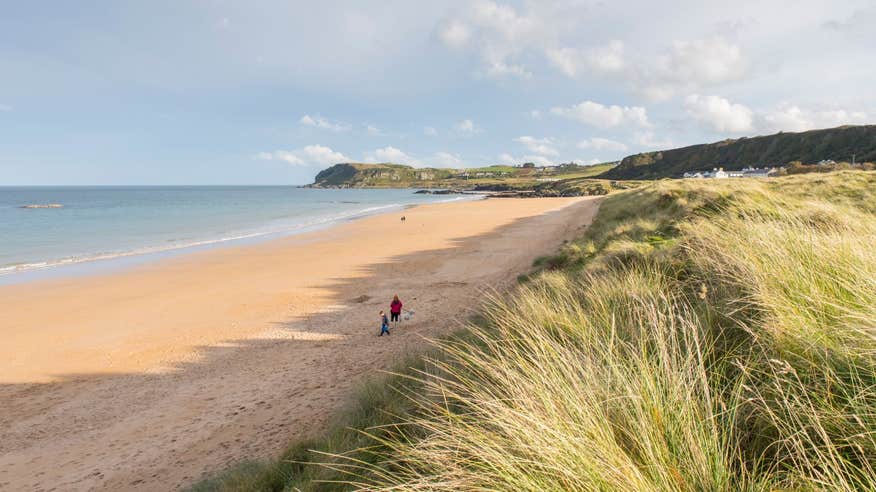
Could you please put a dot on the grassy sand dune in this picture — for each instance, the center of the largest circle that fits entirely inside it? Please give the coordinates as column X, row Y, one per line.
column 702, row 335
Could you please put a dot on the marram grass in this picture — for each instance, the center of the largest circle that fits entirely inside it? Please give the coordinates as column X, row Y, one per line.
column 734, row 352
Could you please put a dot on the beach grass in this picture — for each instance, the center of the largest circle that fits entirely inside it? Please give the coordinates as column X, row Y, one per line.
column 701, row 335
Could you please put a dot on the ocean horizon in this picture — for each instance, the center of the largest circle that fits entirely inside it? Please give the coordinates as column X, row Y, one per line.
column 90, row 225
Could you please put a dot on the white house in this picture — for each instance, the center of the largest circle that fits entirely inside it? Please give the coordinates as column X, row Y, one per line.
column 719, row 173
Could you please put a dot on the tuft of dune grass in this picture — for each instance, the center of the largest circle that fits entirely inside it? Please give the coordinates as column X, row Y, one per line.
column 564, row 394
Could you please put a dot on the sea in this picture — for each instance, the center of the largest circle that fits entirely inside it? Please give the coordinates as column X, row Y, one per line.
column 111, row 226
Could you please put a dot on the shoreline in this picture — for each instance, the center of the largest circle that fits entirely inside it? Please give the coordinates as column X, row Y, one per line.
column 102, row 263
column 151, row 378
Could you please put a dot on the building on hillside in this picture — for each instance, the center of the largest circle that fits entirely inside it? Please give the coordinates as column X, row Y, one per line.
column 827, row 162
column 753, row 172
column 720, row 173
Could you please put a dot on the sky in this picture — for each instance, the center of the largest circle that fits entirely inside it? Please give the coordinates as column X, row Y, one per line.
column 271, row 92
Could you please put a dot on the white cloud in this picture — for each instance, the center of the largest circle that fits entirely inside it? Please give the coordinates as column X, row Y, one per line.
column 289, row 158
column 392, row 155
column 507, row 159
column 566, row 59
column 510, row 160
column 500, row 34
column 445, row 159
column 598, row 143
column 650, row 141
column 307, row 156
column 792, row 118
column 689, row 65
column 541, row 146
column 467, row 128
column 596, row 114
column 719, row 113
column 430, row 131
column 503, row 19
column 705, row 61
column 374, row 131
column 538, row 160
column 499, row 68
column 588, row 162
column 320, row 122
column 397, row 156
column 574, row 62
column 860, row 23
column 657, row 92
column 455, row 34
column 511, row 41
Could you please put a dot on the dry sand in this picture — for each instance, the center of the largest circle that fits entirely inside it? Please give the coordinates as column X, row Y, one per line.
column 149, row 378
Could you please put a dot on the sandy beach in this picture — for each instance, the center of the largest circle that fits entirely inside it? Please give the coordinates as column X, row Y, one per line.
column 151, row 377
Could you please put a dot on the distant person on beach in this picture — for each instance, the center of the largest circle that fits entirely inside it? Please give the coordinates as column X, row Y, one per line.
column 403, row 218
column 395, row 308
column 384, row 324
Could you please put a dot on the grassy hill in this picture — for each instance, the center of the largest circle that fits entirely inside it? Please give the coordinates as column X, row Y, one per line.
column 356, row 175
column 810, row 147
column 700, row 335
column 838, row 144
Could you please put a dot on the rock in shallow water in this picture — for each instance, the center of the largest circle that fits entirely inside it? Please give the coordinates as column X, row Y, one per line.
column 43, row 205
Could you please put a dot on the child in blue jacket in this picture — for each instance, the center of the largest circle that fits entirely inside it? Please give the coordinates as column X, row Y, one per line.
column 384, row 324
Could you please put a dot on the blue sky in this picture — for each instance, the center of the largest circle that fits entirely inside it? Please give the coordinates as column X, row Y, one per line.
column 222, row 92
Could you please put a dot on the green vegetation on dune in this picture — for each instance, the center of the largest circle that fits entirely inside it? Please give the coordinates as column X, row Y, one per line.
column 810, row 147
column 701, row 335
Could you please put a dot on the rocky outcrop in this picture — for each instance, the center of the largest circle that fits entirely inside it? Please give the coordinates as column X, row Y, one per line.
column 440, row 192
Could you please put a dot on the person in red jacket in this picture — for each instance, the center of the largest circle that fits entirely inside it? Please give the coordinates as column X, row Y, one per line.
column 395, row 308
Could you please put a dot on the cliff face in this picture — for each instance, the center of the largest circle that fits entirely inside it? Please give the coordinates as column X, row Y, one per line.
column 772, row 150
column 335, row 175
